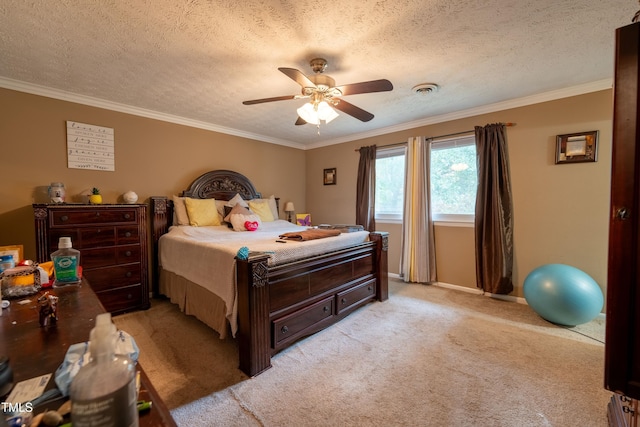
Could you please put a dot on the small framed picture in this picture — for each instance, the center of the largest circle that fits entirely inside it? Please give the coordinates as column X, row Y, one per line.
column 577, row 147
column 330, row 176
column 15, row 250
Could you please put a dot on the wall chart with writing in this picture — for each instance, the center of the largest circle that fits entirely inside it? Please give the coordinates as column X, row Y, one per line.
column 90, row 147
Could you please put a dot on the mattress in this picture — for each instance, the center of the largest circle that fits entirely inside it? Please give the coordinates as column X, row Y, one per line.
column 205, row 256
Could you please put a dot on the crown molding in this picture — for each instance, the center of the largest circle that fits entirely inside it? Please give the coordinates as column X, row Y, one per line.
column 136, row 111
column 476, row 111
column 128, row 109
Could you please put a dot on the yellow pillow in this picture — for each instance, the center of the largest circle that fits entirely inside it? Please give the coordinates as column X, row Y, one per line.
column 262, row 209
column 202, row 212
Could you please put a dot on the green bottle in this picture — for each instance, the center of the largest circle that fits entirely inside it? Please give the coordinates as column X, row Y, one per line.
column 66, row 261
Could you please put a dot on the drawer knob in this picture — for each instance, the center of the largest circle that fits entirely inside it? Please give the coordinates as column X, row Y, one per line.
column 127, row 234
column 284, row 329
column 127, row 216
column 129, row 274
column 344, row 300
column 97, row 213
column 370, row 288
column 64, row 218
column 129, row 296
column 325, row 308
column 128, row 253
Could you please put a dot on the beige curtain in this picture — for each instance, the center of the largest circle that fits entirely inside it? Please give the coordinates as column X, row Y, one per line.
column 417, row 259
column 493, row 215
column 366, row 188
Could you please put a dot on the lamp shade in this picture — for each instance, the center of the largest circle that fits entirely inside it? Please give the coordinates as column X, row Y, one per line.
column 288, row 207
column 325, row 112
column 308, row 114
column 312, row 114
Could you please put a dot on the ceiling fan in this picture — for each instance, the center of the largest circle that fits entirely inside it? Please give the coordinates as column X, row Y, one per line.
column 322, row 92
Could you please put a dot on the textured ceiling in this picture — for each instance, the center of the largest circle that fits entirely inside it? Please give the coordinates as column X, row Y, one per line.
column 197, row 60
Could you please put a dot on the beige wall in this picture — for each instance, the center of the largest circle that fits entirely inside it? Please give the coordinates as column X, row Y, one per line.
column 560, row 211
column 152, row 157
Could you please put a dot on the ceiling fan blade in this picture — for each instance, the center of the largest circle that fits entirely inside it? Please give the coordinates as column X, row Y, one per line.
column 352, row 110
column 300, row 121
column 382, row 85
column 297, row 76
column 277, row 98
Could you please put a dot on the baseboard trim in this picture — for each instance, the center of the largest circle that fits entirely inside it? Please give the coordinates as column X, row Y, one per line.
column 510, row 298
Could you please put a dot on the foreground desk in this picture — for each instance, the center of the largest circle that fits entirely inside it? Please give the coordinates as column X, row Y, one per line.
column 34, row 351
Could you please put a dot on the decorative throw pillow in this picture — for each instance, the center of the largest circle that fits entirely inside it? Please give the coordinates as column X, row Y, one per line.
column 237, row 199
column 239, row 220
column 237, row 209
column 261, row 208
column 180, row 211
column 202, row 212
column 220, row 204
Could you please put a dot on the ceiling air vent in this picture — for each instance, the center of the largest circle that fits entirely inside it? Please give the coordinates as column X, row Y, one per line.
column 425, row 88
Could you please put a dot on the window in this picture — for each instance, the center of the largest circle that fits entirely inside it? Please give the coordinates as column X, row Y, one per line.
column 389, row 184
column 454, row 179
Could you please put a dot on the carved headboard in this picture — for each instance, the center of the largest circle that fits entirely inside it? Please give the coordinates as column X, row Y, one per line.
column 221, row 185
column 218, row 184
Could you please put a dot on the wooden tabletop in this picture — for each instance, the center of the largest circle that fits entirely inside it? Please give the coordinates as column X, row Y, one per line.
column 34, row 351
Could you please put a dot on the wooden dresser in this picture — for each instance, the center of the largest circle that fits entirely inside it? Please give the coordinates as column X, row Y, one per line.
column 112, row 240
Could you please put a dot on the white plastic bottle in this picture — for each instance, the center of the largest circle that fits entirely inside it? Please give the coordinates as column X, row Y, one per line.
column 103, row 392
column 66, row 261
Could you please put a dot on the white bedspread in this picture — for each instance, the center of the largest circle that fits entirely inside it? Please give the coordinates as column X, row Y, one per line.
column 206, row 255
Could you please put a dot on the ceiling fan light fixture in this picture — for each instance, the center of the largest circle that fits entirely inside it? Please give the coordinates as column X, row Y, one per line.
column 312, row 114
column 325, row 112
column 308, row 114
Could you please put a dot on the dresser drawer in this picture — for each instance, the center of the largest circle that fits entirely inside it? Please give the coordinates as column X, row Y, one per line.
column 114, row 255
column 353, row 297
column 126, row 235
column 123, row 299
column 92, row 237
column 294, row 325
column 106, row 278
column 92, row 216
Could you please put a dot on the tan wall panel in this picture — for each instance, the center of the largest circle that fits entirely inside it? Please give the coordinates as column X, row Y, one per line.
column 152, row 157
column 560, row 211
column 455, row 256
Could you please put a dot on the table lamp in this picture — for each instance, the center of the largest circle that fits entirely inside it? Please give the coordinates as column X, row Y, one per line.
column 288, row 208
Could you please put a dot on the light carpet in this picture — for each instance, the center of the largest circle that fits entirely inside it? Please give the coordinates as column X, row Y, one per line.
column 428, row 356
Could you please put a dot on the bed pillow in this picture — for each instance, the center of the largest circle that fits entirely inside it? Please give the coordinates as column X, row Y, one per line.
column 241, row 222
column 272, row 205
column 202, row 212
column 261, row 208
column 180, row 211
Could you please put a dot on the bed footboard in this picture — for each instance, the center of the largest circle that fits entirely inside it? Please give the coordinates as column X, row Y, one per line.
column 279, row 305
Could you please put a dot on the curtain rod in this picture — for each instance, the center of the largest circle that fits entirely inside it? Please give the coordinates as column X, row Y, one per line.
column 399, row 144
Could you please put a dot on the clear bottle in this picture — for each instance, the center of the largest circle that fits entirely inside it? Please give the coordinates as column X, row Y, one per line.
column 66, row 261
column 103, row 392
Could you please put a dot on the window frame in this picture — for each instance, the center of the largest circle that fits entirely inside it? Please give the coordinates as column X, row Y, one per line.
column 462, row 220
column 381, row 153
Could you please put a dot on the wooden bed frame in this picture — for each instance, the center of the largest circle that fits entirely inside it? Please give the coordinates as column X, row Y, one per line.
column 278, row 305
